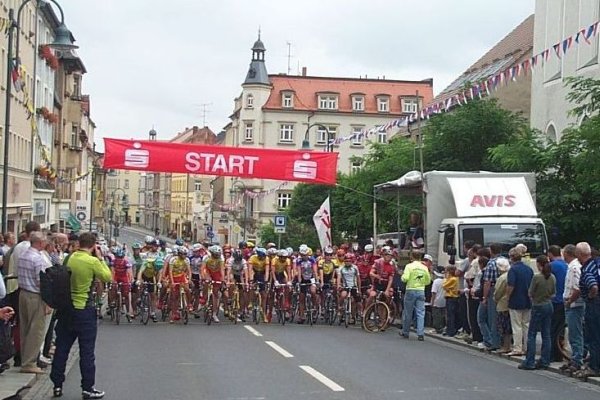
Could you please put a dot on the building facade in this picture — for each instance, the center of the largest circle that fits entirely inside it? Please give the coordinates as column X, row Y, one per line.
column 554, row 21
column 281, row 111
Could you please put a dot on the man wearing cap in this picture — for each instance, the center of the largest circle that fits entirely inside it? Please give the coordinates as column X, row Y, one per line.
column 416, row 276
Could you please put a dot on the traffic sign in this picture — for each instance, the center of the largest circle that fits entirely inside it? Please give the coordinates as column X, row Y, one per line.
column 210, row 234
column 280, row 229
column 81, row 215
column 280, row 221
column 209, row 228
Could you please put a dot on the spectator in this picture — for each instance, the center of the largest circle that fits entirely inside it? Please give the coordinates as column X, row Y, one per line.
column 519, row 304
column 487, row 309
column 588, row 291
column 416, row 276
column 451, row 288
column 438, row 302
column 472, row 301
column 501, row 299
column 463, row 267
column 86, row 265
column 543, row 287
column 559, row 270
column 32, row 309
column 574, row 309
column 9, row 241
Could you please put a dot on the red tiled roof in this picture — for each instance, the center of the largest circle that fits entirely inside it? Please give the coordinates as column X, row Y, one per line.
column 306, row 89
column 195, row 135
column 505, row 54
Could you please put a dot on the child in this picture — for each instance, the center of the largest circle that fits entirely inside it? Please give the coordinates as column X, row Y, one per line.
column 451, row 288
column 438, row 302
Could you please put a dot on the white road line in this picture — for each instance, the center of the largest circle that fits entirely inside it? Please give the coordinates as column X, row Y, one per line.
column 279, row 349
column 322, row 378
column 253, row 331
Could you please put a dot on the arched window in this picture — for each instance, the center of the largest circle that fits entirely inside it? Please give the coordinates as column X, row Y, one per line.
column 551, row 132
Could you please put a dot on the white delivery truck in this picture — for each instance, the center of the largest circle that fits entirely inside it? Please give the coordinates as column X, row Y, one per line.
column 485, row 207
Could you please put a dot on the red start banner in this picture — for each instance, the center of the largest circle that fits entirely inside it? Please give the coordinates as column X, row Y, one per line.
column 284, row 165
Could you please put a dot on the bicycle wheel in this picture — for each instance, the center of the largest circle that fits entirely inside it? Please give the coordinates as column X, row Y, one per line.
column 118, row 307
column 184, row 309
column 347, row 310
column 309, row 309
column 208, row 310
column 145, row 309
column 294, row 308
column 375, row 317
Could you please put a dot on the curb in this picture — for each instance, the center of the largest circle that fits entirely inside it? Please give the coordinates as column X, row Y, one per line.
column 554, row 367
column 42, row 387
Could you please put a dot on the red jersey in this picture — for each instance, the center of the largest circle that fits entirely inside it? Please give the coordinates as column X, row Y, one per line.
column 385, row 270
column 365, row 263
column 121, row 266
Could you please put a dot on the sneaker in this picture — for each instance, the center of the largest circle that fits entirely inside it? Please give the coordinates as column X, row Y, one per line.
column 45, row 360
column 57, row 392
column 481, row 345
column 93, row 393
column 421, row 338
column 215, row 319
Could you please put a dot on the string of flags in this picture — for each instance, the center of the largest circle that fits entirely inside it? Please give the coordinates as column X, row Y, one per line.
column 264, row 193
column 485, row 87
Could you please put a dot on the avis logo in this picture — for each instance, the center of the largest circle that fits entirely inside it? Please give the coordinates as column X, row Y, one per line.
column 493, row 201
column 136, row 157
column 305, row 169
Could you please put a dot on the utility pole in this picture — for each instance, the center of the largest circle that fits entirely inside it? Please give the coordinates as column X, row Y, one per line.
column 289, row 57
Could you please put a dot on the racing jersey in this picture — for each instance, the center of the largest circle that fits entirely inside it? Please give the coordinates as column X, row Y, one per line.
column 236, row 267
column 137, row 262
column 280, row 265
column 120, row 267
column 365, row 264
column 150, row 270
column 349, row 276
column 195, row 264
column 306, row 268
column 328, row 268
column 258, row 265
column 337, row 262
column 213, row 264
column 179, row 266
column 385, row 270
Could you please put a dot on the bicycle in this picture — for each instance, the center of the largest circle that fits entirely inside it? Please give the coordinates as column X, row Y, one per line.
column 311, row 312
column 183, row 306
column 295, row 301
column 210, row 307
column 165, row 310
column 144, row 304
column 119, row 307
column 97, row 301
column 347, row 309
column 235, row 305
column 280, row 311
column 376, row 315
column 329, row 306
column 257, row 310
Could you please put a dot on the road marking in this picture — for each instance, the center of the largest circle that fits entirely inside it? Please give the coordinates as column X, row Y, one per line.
column 322, row 378
column 253, row 331
column 279, row 349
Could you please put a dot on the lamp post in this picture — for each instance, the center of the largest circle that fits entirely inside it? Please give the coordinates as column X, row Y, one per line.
column 231, row 192
column 62, row 41
column 124, row 207
column 330, row 138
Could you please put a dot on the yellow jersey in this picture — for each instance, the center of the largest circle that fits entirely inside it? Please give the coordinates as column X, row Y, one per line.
column 280, row 265
column 327, row 266
column 257, row 264
column 213, row 264
column 179, row 266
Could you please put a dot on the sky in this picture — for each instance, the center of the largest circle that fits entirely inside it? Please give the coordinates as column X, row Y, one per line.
column 154, row 63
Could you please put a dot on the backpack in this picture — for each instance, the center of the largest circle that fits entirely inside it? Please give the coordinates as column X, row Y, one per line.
column 55, row 286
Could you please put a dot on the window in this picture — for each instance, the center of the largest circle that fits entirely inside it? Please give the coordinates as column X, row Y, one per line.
column 286, row 133
column 126, row 184
column 410, row 106
column 381, row 137
column 358, row 137
column 249, row 132
column 355, row 166
column 588, row 14
column 328, row 102
column 551, row 133
column 322, row 134
column 383, row 104
column 197, row 186
column 358, row 103
column 249, row 101
column 554, row 27
column 74, row 142
column 76, row 86
column 287, row 100
column 283, row 200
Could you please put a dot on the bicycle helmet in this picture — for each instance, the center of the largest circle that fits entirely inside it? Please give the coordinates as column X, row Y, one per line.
column 196, row 247
column 115, row 249
column 272, row 251
column 182, row 251
column 290, row 251
column 136, row 246
column 271, row 245
column 304, row 250
column 242, row 245
column 283, row 253
column 178, row 242
column 159, row 263
column 386, row 251
column 149, row 240
column 169, row 250
column 369, row 248
column 250, row 244
column 261, row 252
column 328, row 251
column 119, row 253
column 215, row 250
column 237, row 255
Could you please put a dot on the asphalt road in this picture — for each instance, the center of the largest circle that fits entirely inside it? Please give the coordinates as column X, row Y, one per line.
column 236, row 362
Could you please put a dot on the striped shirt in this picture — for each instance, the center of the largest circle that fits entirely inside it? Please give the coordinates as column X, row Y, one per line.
column 589, row 278
column 29, row 266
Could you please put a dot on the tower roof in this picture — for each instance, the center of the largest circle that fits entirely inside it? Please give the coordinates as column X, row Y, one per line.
column 259, row 46
column 257, row 73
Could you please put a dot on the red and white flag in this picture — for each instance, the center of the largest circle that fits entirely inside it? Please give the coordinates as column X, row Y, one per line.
column 322, row 220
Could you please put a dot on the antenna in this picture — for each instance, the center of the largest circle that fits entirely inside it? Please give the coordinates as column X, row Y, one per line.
column 205, row 111
column 289, row 57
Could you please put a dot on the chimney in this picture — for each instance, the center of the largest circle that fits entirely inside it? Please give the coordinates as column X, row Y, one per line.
column 303, row 71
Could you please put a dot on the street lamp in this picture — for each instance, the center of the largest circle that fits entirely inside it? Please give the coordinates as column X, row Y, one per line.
column 231, row 192
column 330, row 138
column 124, row 207
column 63, row 41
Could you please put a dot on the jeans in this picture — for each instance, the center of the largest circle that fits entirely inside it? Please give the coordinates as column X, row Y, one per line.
column 451, row 316
column 80, row 325
column 574, row 317
column 486, row 319
column 541, row 320
column 592, row 331
column 414, row 300
column 557, row 329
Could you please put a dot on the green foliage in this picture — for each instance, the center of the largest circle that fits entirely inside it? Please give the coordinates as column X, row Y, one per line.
column 585, row 93
column 297, row 233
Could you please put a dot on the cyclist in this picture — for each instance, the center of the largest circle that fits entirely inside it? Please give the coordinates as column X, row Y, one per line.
column 327, row 270
column 149, row 274
column 237, row 272
column 348, row 279
column 382, row 275
column 338, row 261
column 196, row 263
column 281, row 275
column 249, row 250
column 365, row 264
column 259, row 269
column 213, row 269
column 148, row 244
column 122, row 273
column 179, row 274
column 162, row 247
column 137, row 261
column 306, row 270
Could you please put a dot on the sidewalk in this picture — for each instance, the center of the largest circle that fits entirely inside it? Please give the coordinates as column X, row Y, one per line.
column 554, row 367
column 12, row 380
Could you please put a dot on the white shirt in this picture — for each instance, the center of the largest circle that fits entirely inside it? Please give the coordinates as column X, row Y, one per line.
column 440, row 293
column 572, row 281
column 2, row 287
column 17, row 252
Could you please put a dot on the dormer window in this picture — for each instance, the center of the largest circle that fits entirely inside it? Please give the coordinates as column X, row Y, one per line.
column 328, row 102
column 358, row 103
column 249, row 101
column 410, row 106
column 287, row 100
column 383, row 104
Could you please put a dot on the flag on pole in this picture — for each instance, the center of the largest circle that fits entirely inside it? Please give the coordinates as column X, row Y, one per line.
column 322, row 220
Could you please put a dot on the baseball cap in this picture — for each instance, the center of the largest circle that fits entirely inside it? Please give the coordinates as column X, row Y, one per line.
column 428, row 257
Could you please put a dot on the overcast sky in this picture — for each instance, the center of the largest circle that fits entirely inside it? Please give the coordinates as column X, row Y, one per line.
column 155, row 62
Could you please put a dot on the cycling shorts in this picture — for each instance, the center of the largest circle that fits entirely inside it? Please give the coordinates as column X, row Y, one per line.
column 196, row 280
column 305, row 284
column 280, row 278
column 125, row 284
column 146, row 279
column 215, row 276
column 381, row 286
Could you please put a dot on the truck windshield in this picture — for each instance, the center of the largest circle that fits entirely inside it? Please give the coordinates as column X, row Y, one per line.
column 508, row 235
